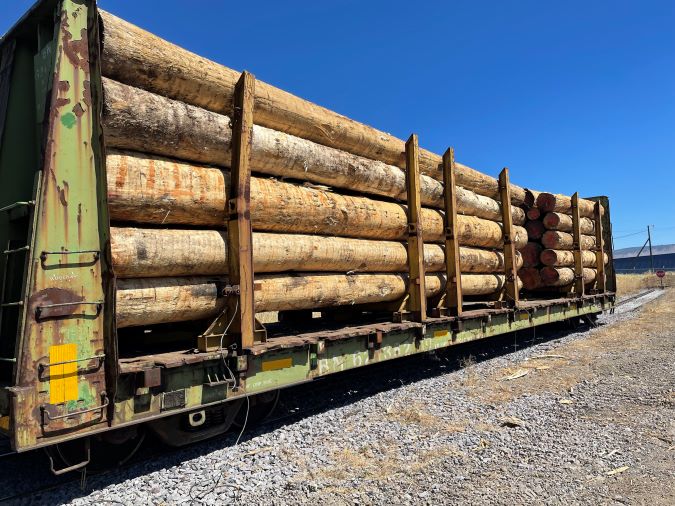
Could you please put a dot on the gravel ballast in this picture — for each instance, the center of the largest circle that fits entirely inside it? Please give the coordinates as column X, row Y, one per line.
column 573, row 417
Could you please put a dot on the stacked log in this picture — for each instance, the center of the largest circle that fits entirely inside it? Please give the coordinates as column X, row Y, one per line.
column 549, row 256
column 327, row 196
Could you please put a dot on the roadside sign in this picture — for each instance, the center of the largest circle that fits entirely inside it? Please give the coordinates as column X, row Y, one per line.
column 661, row 274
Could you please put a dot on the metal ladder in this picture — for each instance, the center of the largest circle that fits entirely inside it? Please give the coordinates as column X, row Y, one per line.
column 7, row 253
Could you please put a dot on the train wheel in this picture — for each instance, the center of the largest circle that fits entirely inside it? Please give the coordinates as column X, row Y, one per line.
column 259, row 407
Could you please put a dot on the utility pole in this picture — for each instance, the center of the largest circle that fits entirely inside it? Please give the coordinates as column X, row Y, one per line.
column 651, row 257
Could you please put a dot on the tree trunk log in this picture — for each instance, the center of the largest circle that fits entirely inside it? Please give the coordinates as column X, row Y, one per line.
column 553, row 239
column 164, row 300
column 151, row 190
column 565, row 258
column 535, row 229
column 533, row 213
column 549, row 202
column 133, row 56
column 151, row 252
column 144, row 122
column 563, row 276
column 531, row 254
column 530, row 278
column 563, row 222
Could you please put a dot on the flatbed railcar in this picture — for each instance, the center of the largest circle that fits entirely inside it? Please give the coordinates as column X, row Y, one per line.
column 63, row 374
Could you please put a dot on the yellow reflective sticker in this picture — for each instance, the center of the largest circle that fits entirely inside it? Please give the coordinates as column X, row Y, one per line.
column 274, row 365
column 4, row 423
column 63, row 377
column 441, row 333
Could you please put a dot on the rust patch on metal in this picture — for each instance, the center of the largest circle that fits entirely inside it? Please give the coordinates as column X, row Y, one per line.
column 50, row 296
column 63, row 86
column 77, row 51
column 78, row 110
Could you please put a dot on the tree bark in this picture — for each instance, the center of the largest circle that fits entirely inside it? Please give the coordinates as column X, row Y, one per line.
column 535, row 229
column 164, row 300
column 151, row 190
column 565, row 258
column 553, row 239
column 563, row 222
column 152, row 252
column 134, row 56
column 144, row 122
column 549, row 202
column 564, row 276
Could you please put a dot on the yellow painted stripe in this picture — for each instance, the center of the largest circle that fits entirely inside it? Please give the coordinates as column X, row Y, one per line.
column 62, row 378
column 274, row 365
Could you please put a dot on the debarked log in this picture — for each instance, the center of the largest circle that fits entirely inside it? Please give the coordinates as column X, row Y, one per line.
column 563, row 276
column 550, row 202
column 137, row 120
column 565, row 258
column 139, row 58
column 152, row 252
column 563, row 222
column 553, row 239
column 164, row 300
column 146, row 189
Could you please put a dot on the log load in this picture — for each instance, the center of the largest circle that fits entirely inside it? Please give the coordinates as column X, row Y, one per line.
column 142, row 189
column 563, row 222
column 535, row 229
column 164, row 300
column 138, row 58
column 549, row 202
column 565, row 258
column 144, row 122
column 531, row 253
column 564, row 276
column 139, row 253
column 533, row 213
column 530, row 278
column 553, row 239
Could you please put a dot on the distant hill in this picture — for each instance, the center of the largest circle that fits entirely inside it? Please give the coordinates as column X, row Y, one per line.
column 663, row 249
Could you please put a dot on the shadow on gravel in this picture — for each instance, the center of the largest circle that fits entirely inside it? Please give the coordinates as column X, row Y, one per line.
column 296, row 403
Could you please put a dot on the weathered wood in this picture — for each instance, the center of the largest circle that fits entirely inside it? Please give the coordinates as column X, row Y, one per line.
column 564, row 276
column 549, row 202
column 240, row 315
column 576, row 246
column 510, row 269
column 563, row 222
column 159, row 191
column 565, row 258
column 137, row 120
column 453, row 288
column 554, row 239
column 416, row 302
column 600, row 255
column 134, row 56
column 158, row 252
column 163, row 300
column 535, row 229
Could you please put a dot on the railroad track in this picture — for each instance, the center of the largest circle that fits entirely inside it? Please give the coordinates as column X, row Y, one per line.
column 340, row 389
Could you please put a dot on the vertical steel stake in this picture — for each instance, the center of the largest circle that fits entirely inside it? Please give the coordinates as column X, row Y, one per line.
column 576, row 246
column 600, row 281
column 510, row 269
column 417, row 300
column 453, row 285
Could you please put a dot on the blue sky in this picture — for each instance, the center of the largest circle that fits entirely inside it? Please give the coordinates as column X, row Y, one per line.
column 575, row 95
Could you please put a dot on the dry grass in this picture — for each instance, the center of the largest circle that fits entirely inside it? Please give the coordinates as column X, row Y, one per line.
column 571, row 363
column 631, row 283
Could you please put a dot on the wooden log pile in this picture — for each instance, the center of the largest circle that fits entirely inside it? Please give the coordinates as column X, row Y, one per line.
column 328, row 198
column 549, row 258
